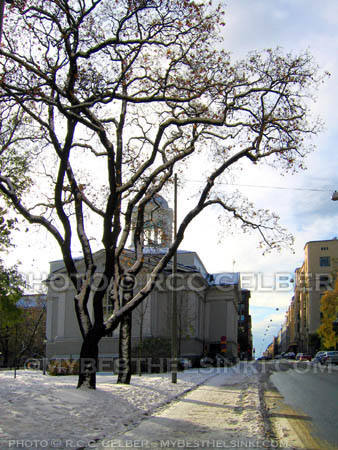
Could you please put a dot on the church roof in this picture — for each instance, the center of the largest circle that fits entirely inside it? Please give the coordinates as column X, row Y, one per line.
column 224, row 278
column 214, row 279
column 161, row 201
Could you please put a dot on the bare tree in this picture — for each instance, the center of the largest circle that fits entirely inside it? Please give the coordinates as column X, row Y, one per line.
column 141, row 312
column 111, row 97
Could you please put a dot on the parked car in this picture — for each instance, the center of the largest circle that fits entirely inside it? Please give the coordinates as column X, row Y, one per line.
column 264, row 358
column 221, row 361
column 317, row 358
column 329, row 358
column 207, row 361
column 298, row 356
column 184, row 363
column 305, row 357
column 289, row 355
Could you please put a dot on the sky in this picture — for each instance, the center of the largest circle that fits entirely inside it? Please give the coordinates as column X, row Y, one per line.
column 303, row 201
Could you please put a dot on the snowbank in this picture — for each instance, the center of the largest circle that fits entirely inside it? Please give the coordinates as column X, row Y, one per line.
column 42, row 411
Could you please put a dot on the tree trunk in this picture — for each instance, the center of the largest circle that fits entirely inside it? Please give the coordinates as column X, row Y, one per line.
column 88, row 363
column 5, row 354
column 6, row 348
column 124, row 365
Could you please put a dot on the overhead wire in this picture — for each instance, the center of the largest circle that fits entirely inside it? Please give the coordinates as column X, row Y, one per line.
column 267, row 187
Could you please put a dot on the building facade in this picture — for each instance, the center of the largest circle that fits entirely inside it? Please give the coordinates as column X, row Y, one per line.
column 316, row 275
column 207, row 303
column 244, row 326
column 207, row 310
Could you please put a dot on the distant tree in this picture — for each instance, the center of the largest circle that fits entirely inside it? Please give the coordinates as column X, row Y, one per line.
column 104, row 99
column 329, row 310
column 11, row 285
column 31, row 331
column 11, row 289
column 23, row 331
column 155, row 354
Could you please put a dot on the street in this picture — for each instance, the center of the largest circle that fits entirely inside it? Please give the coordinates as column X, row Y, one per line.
column 309, row 400
column 299, row 411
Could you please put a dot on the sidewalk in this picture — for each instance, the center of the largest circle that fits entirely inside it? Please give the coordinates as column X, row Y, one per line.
column 231, row 408
column 222, row 413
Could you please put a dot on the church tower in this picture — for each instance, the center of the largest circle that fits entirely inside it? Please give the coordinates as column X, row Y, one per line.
column 158, row 220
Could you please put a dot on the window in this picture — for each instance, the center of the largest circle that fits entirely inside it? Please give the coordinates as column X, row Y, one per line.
column 324, row 281
column 241, row 308
column 324, row 248
column 324, row 261
column 107, row 309
column 107, row 306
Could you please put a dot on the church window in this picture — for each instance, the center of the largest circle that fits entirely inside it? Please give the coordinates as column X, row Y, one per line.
column 107, row 305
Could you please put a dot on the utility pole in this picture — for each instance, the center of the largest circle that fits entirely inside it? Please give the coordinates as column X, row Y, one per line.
column 174, row 296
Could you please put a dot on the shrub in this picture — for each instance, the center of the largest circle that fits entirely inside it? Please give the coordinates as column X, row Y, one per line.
column 63, row 367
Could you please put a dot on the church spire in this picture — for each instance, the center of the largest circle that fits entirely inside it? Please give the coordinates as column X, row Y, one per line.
column 158, row 221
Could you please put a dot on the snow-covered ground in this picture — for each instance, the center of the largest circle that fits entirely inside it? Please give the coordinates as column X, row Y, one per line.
column 42, row 411
column 224, row 412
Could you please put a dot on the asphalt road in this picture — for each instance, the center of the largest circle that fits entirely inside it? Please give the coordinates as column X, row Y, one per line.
column 312, row 391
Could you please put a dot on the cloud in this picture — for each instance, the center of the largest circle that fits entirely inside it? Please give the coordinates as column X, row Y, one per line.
column 328, row 12
column 309, row 215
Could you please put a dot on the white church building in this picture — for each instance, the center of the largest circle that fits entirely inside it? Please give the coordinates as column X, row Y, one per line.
column 207, row 303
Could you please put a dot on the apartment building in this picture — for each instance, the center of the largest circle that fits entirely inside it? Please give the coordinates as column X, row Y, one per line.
column 292, row 326
column 312, row 279
column 282, row 340
column 244, row 326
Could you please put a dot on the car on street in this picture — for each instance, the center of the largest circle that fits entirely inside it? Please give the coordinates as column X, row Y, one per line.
column 289, row 355
column 303, row 357
column 184, row 363
column 207, row 361
column 316, row 359
column 222, row 361
column 330, row 357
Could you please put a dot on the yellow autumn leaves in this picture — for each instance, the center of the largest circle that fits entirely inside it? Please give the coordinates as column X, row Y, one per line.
column 329, row 311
